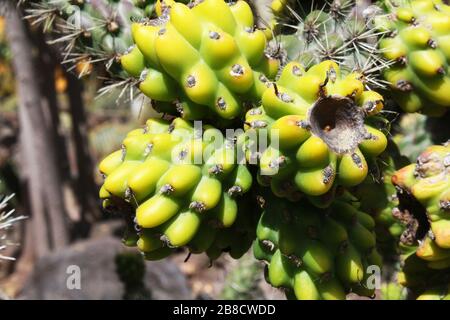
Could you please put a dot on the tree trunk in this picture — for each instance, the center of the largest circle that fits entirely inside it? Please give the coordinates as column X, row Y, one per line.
column 39, row 148
column 85, row 183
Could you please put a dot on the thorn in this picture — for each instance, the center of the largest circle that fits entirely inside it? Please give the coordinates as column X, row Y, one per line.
column 187, row 257
column 268, row 244
column 275, row 88
column 322, row 87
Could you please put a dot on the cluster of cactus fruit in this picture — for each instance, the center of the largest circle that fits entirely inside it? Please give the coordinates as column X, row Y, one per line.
column 309, row 176
column 185, row 188
column 224, row 62
column 424, row 193
column 317, row 253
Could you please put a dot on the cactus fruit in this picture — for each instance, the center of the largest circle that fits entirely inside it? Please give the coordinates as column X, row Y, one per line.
column 209, row 68
column 322, row 131
column 423, row 190
column 182, row 185
column 336, row 31
column 393, row 291
column 437, row 293
column 419, row 41
column 90, row 31
column 428, row 181
column 316, row 253
column 377, row 196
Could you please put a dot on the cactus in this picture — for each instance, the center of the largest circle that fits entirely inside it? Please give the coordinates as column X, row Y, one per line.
column 337, row 31
column 242, row 282
column 316, row 253
column 423, row 190
column 130, row 267
column 90, row 32
column 437, row 293
column 223, row 62
column 393, row 291
column 182, row 187
column 326, row 125
column 418, row 40
column 7, row 222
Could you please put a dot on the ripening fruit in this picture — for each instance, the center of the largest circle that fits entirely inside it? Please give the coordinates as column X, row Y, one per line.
column 179, row 185
column 315, row 253
column 320, row 132
column 417, row 38
column 208, row 54
column 423, row 190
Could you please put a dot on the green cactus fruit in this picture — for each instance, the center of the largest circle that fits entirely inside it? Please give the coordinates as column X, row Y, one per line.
column 418, row 40
column 377, row 196
column 207, row 69
column 180, row 181
column 428, row 181
column 393, row 291
column 437, row 293
column 423, row 191
column 321, row 129
column 316, row 253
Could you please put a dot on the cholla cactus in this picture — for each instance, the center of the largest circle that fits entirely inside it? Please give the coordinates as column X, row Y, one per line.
column 90, row 32
column 7, row 221
column 340, row 31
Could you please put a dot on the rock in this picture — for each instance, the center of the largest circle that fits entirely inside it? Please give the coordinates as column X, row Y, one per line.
column 55, row 275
